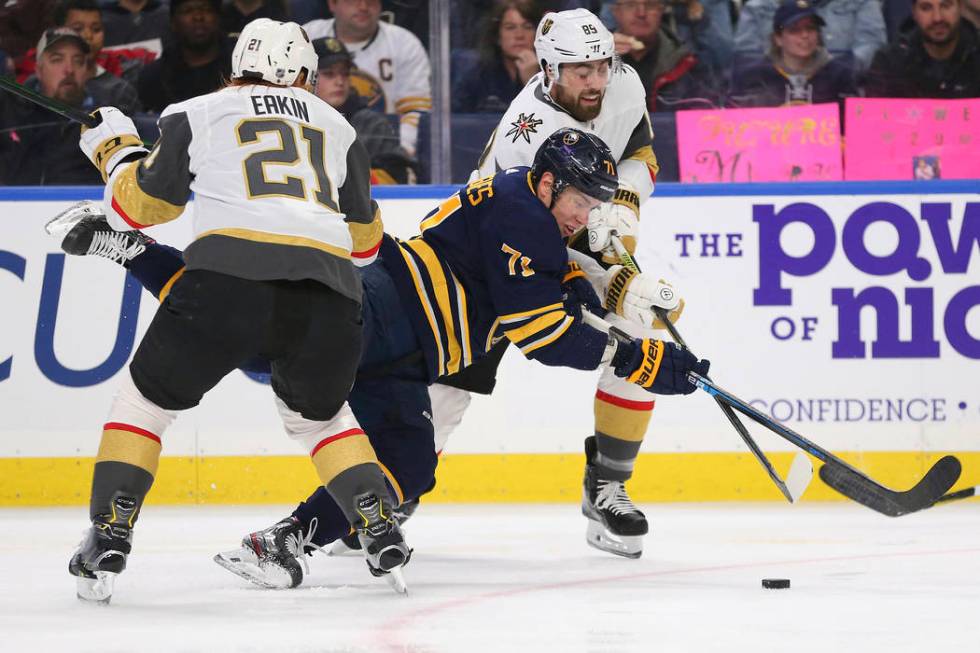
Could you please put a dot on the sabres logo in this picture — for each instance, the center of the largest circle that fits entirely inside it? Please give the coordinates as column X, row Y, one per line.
column 546, row 27
column 523, row 127
column 571, row 138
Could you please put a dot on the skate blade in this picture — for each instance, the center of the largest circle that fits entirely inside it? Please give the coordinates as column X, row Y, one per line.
column 62, row 223
column 243, row 563
column 599, row 537
column 338, row 548
column 96, row 590
column 396, row 579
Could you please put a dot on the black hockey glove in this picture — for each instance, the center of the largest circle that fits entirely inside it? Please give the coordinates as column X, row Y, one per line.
column 578, row 294
column 657, row 366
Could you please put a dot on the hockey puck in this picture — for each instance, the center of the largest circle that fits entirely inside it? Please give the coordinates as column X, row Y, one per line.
column 775, row 583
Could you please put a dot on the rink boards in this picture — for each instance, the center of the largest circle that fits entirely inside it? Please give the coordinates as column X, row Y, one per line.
column 850, row 311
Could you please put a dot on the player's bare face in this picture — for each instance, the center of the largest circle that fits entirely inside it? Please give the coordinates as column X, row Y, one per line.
column 61, row 73
column 581, row 87
column 357, row 20
column 572, row 209
column 333, row 84
column 938, row 20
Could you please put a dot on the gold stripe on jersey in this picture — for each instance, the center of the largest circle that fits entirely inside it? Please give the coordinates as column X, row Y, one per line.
column 277, row 239
column 137, row 205
column 430, row 314
column 413, row 103
column 442, row 289
column 446, row 209
column 366, row 237
column 534, row 327
column 646, row 155
column 170, row 284
column 549, row 338
column 514, row 318
column 410, row 119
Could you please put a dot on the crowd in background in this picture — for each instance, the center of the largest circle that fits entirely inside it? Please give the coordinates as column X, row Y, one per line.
column 142, row 55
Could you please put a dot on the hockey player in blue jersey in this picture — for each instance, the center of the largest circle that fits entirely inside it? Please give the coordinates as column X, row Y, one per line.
column 490, row 263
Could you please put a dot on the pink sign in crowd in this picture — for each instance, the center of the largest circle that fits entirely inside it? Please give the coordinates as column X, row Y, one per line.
column 880, row 139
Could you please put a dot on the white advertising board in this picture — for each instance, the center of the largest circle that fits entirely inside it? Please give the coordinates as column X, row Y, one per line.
column 853, row 316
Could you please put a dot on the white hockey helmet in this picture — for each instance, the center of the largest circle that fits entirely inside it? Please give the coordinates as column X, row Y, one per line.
column 572, row 36
column 274, row 51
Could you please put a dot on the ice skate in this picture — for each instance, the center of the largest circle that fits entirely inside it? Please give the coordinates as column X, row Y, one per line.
column 274, row 557
column 101, row 555
column 381, row 540
column 84, row 231
column 616, row 525
column 349, row 544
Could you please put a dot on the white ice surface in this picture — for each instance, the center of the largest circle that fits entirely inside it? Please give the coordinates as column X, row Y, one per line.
column 519, row 578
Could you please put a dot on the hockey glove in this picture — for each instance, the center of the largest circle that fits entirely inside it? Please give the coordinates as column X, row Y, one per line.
column 110, row 142
column 654, row 365
column 578, row 293
column 632, row 296
column 620, row 217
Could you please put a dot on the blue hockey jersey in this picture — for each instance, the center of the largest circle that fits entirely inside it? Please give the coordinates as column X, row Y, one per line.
column 489, row 264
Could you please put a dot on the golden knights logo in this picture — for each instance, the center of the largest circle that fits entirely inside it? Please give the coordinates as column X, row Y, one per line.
column 523, row 127
column 547, row 26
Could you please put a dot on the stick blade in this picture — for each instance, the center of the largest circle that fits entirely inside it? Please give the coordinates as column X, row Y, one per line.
column 799, row 476
column 924, row 494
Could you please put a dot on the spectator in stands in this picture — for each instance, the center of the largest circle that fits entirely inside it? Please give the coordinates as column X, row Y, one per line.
column 854, row 26
column 392, row 71
column 85, row 17
column 390, row 164
column 797, row 69
column 671, row 74
column 38, row 147
column 110, row 75
column 236, row 14
column 142, row 22
column 198, row 62
column 939, row 58
column 507, row 60
column 705, row 26
column 21, row 24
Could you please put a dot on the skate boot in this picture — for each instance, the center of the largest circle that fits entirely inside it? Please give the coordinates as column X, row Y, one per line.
column 86, row 232
column 274, row 557
column 101, row 555
column 381, row 540
column 615, row 524
column 350, row 543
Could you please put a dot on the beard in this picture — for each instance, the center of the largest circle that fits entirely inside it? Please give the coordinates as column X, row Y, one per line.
column 71, row 93
column 574, row 106
column 951, row 34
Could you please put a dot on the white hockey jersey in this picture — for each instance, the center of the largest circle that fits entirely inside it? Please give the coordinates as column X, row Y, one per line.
column 276, row 174
column 623, row 124
column 392, row 73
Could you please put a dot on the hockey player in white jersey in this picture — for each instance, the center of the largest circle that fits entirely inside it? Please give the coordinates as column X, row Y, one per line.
column 391, row 66
column 583, row 84
column 282, row 210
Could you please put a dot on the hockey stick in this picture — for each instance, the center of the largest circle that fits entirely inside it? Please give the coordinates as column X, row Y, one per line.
column 50, row 104
column 800, row 471
column 847, row 480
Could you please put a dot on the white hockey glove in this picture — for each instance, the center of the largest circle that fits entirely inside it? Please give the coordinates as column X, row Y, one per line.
column 632, row 296
column 620, row 217
column 111, row 141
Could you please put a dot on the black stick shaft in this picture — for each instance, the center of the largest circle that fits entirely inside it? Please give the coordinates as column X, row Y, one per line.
column 733, row 419
column 50, row 104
